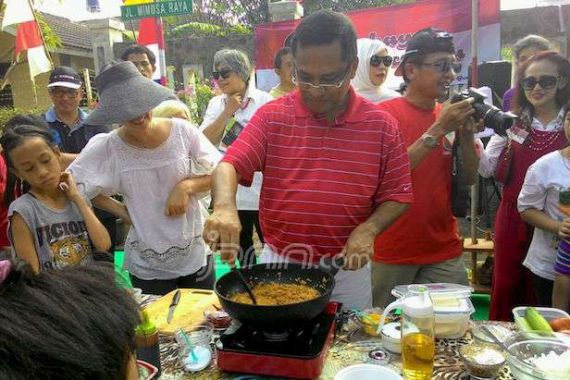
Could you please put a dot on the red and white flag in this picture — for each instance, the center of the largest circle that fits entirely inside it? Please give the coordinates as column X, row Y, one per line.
column 28, row 37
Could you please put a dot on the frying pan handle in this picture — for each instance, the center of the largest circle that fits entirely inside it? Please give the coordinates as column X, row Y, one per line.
column 339, row 261
column 332, row 264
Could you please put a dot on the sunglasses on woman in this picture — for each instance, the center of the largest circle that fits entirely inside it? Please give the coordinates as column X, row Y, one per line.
column 546, row 82
column 376, row 60
column 225, row 74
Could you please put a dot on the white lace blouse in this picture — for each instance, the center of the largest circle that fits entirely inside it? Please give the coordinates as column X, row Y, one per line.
column 157, row 246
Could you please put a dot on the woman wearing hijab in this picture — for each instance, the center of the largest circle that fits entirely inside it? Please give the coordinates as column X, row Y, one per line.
column 373, row 65
column 148, row 160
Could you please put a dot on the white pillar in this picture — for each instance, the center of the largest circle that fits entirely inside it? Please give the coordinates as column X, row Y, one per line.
column 104, row 34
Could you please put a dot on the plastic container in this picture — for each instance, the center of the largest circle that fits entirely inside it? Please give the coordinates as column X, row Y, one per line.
column 392, row 337
column 548, row 313
column 147, row 343
column 200, row 334
column 194, row 355
column 418, row 331
column 500, row 332
column 452, row 307
column 525, row 347
column 367, row 372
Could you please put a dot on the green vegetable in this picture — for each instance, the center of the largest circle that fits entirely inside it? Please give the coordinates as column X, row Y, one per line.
column 147, row 327
column 537, row 321
column 523, row 324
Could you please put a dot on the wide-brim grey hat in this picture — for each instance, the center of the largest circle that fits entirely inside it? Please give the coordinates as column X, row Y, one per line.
column 125, row 94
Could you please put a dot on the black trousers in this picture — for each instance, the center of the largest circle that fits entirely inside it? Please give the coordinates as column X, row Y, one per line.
column 542, row 290
column 248, row 219
column 203, row 279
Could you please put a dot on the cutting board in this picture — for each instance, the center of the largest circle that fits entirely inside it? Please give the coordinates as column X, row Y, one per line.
column 190, row 309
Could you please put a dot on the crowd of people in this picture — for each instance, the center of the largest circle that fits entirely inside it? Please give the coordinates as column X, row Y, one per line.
column 330, row 163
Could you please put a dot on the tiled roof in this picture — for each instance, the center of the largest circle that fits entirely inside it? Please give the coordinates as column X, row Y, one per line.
column 73, row 35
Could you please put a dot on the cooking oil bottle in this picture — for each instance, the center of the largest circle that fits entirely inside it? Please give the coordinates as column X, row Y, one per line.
column 418, row 334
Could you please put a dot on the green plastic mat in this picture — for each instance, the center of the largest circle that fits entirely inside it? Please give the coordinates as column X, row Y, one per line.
column 481, row 303
column 123, row 275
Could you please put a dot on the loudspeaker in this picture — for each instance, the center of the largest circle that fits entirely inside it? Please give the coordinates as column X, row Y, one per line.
column 496, row 75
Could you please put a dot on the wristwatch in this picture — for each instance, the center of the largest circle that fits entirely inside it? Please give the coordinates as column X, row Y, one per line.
column 429, row 141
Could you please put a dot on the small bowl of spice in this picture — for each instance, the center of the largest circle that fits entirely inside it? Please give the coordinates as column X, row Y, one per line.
column 482, row 361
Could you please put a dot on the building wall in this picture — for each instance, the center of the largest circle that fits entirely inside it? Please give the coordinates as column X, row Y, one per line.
column 22, row 88
column 7, row 42
column 196, row 51
column 544, row 21
column 22, row 85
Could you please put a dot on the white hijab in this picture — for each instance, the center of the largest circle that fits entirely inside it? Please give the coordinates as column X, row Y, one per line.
column 361, row 82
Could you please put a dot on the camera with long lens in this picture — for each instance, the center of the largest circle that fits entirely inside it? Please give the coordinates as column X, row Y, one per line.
column 492, row 116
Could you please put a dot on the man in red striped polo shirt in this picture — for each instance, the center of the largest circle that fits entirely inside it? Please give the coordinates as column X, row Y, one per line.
column 335, row 170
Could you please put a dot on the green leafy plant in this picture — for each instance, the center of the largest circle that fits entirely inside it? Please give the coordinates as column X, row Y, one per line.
column 506, row 53
column 197, row 97
column 6, row 113
column 51, row 39
column 312, row 6
column 200, row 29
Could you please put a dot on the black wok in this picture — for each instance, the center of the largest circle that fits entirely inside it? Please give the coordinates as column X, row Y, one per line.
column 280, row 315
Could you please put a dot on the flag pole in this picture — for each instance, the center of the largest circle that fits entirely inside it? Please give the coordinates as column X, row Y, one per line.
column 474, row 83
column 6, row 76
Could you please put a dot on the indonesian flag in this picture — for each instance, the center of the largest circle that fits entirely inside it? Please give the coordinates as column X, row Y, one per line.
column 28, row 37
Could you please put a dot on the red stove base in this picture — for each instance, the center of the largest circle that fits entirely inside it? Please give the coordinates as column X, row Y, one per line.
column 242, row 360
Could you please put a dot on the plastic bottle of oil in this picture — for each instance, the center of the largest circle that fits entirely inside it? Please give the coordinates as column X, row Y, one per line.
column 418, row 334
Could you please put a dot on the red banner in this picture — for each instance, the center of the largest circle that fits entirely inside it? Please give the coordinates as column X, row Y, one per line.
column 395, row 25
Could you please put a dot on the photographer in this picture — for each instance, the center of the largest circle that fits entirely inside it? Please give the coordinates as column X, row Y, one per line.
column 423, row 246
column 541, row 92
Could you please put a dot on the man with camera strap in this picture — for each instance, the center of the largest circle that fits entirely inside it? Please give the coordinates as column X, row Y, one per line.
column 424, row 246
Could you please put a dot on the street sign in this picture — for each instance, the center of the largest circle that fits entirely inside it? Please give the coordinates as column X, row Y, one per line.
column 156, row 9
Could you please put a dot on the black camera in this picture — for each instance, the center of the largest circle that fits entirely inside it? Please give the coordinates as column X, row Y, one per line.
column 492, row 116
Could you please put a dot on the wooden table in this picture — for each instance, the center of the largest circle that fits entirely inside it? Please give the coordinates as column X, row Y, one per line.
column 483, row 246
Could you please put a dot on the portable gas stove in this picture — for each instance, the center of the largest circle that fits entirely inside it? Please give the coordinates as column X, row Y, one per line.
column 297, row 352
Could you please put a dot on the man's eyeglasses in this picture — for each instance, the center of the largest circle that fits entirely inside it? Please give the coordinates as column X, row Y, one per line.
column 325, row 85
column 376, row 60
column 225, row 74
column 546, row 82
column 443, row 67
column 62, row 91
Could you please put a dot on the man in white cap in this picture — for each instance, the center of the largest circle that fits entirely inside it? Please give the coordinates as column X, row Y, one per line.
column 65, row 118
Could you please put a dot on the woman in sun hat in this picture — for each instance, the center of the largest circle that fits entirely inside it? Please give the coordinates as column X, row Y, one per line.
column 148, row 161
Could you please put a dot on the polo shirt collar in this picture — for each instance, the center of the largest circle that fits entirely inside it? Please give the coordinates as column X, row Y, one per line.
column 352, row 114
column 51, row 116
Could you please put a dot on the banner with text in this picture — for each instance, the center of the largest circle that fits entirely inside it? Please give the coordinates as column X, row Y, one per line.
column 395, row 25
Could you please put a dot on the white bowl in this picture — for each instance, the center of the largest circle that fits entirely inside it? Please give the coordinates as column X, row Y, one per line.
column 367, row 372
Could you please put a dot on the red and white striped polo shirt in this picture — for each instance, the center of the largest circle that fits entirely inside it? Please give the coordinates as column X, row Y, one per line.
column 320, row 179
